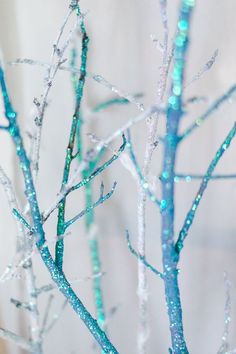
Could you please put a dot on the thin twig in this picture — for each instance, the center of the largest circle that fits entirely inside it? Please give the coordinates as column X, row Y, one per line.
column 207, row 177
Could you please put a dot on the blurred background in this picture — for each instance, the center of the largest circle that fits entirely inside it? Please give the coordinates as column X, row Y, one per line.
column 122, row 51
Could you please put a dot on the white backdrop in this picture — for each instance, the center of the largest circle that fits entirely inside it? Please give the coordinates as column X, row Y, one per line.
column 121, row 51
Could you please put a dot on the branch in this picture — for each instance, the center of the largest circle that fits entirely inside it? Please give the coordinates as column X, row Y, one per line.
column 214, row 107
column 59, row 249
column 147, row 113
column 143, row 182
column 113, row 101
column 207, row 177
column 22, row 220
column 70, row 186
column 51, row 73
column 101, row 200
column 141, row 258
column 98, row 78
column 190, row 177
column 57, row 275
column 131, row 98
column 50, row 287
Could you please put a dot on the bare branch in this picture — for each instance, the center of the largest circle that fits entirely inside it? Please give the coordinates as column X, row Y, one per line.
column 207, row 177
column 101, row 200
column 142, row 258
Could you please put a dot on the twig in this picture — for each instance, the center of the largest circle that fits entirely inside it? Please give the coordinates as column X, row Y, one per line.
column 174, row 114
column 101, row 200
column 58, row 277
column 204, row 69
column 224, row 348
column 212, row 109
column 142, row 258
column 207, row 177
column 61, row 225
column 190, row 177
column 14, row 338
column 71, row 186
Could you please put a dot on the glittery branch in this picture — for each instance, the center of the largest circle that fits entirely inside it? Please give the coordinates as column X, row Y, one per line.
column 89, row 218
column 12, row 202
column 190, row 177
column 207, row 177
column 22, row 247
column 102, row 168
column 143, row 187
column 224, row 348
column 98, row 78
column 61, row 226
column 57, row 275
column 51, row 72
column 70, row 186
column 55, row 318
column 143, row 182
column 147, row 113
column 113, row 101
column 51, row 287
column 46, row 314
column 174, row 114
column 212, row 109
column 141, row 258
column 103, row 197
column 22, row 220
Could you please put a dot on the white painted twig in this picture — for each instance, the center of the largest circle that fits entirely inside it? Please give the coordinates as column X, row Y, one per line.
column 23, row 246
column 143, row 330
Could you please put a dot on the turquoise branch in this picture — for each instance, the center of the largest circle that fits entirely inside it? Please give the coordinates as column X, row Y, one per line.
column 101, row 168
column 88, row 175
column 174, row 114
column 190, row 177
column 191, row 214
column 22, row 220
column 90, row 207
column 56, row 273
column 59, row 249
column 141, row 258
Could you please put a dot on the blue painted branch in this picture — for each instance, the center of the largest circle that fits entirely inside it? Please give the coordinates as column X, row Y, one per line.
column 174, row 114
